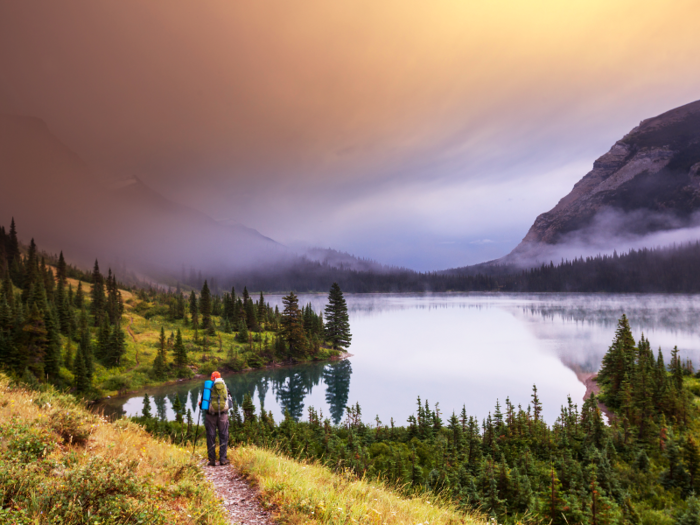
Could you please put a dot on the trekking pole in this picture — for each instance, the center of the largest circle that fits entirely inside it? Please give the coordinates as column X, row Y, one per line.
column 196, row 432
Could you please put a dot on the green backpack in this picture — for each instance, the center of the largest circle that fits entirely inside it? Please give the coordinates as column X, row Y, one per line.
column 219, row 399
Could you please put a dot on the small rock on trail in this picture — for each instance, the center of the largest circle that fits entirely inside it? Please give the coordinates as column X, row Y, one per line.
column 239, row 499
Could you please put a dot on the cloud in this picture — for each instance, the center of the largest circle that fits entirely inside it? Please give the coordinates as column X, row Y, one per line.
column 327, row 122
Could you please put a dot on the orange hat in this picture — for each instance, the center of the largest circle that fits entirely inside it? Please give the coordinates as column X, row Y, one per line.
column 215, row 375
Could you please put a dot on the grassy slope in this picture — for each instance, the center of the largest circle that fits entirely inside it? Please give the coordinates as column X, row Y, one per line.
column 62, row 464
column 309, row 493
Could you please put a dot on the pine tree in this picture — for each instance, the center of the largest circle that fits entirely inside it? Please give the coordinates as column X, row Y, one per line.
column 61, row 272
column 194, row 311
column 97, row 306
column 261, row 310
column 116, row 347
column 337, row 320
column 87, row 352
column 80, row 372
column 160, row 362
column 292, row 326
column 33, row 344
column 205, row 308
column 618, row 362
column 242, row 335
column 52, row 359
column 79, row 296
column 13, row 254
column 180, row 351
column 691, row 515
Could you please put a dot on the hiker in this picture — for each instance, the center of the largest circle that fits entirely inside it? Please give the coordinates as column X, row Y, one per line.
column 216, row 418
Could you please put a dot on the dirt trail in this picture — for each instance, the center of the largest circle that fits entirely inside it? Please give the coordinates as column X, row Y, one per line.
column 240, row 500
column 128, row 328
column 133, row 336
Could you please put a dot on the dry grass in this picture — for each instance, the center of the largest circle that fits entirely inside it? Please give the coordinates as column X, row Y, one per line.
column 310, row 493
column 171, row 488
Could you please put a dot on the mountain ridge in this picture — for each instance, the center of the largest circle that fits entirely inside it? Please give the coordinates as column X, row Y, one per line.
column 648, row 181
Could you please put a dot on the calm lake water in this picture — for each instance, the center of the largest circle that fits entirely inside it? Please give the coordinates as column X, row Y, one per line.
column 456, row 349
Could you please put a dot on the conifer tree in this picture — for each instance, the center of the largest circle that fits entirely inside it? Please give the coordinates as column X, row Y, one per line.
column 116, row 347
column 618, row 363
column 242, row 335
column 13, row 254
column 61, row 272
column 79, row 296
column 160, row 362
column 86, row 352
column 97, row 306
column 32, row 348
column 337, row 320
column 80, row 372
column 251, row 316
column 180, row 351
column 293, row 327
column 205, row 308
column 52, row 359
column 261, row 313
column 194, row 311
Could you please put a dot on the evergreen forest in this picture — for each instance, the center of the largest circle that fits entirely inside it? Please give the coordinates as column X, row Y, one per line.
column 87, row 332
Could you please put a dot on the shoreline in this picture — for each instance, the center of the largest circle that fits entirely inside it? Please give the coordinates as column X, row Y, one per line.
column 225, row 372
column 589, row 380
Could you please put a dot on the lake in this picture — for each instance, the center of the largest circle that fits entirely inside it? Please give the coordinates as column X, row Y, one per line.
column 455, row 349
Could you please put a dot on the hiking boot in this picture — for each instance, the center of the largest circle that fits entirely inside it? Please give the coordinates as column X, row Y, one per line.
column 212, row 463
column 224, row 462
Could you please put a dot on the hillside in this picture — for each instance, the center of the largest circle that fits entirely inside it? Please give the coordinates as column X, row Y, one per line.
column 61, row 464
column 648, row 182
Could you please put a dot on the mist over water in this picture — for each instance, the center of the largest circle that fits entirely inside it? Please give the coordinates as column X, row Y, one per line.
column 456, row 349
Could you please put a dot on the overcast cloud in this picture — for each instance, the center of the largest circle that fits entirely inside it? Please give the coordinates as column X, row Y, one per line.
column 421, row 134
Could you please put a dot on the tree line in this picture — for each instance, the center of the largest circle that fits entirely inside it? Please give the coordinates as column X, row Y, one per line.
column 647, row 270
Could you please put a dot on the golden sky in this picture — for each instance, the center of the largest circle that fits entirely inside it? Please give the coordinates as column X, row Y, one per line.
column 404, row 125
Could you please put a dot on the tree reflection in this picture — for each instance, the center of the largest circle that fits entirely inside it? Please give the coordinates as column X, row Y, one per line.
column 290, row 386
column 337, row 379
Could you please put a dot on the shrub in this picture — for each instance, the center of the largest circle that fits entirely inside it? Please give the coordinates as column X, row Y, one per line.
column 157, row 311
column 119, row 383
column 72, row 424
column 24, row 442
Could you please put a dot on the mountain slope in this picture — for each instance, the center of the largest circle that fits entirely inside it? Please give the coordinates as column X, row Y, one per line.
column 649, row 181
column 52, row 193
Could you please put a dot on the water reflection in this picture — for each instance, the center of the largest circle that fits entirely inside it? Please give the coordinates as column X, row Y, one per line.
column 458, row 349
column 290, row 387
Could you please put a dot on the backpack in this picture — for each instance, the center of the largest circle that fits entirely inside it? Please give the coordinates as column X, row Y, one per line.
column 219, row 398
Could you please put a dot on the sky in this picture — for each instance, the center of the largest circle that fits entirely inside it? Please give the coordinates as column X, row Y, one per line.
column 420, row 134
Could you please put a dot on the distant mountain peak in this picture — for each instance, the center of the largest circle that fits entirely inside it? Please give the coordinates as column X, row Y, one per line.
column 648, row 181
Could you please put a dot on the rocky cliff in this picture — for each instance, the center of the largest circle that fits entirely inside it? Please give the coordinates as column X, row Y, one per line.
column 648, row 181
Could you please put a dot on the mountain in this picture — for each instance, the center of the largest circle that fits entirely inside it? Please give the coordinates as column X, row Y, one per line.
column 648, row 182
column 57, row 197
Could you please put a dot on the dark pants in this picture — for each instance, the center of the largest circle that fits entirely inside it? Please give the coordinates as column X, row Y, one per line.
column 212, row 423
